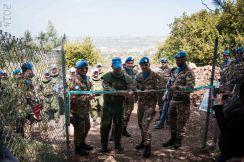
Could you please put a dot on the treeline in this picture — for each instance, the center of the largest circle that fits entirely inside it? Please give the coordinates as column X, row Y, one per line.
column 196, row 33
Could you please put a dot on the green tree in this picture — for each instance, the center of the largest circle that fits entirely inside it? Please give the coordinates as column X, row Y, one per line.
column 28, row 37
column 196, row 33
column 230, row 24
column 85, row 50
column 42, row 38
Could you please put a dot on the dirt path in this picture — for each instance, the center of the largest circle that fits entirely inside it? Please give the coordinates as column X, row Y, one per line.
column 190, row 150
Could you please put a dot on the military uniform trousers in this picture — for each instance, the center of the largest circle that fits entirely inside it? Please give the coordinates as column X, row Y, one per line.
column 81, row 123
column 111, row 113
column 145, row 114
column 179, row 114
column 128, row 108
column 51, row 106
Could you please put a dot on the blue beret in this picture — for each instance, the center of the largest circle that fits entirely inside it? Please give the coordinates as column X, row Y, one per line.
column 163, row 60
column 2, row 72
column 239, row 50
column 226, row 52
column 17, row 71
column 144, row 60
column 129, row 59
column 116, row 62
column 80, row 64
column 181, row 54
column 26, row 66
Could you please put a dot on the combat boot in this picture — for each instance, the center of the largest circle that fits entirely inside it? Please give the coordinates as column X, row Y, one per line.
column 147, row 151
column 119, row 147
column 140, row 146
column 104, row 149
column 177, row 144
column 87, row 147
column 81, row 151
column 125, row 132
column 169, row 142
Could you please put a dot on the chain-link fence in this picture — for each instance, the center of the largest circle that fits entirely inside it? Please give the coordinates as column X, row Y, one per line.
column 31, row 94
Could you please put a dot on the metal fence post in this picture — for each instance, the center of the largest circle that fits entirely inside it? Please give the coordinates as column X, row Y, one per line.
column 210, row 93
column 65, row 96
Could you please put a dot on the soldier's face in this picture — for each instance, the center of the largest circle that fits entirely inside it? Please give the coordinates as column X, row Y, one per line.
column 225, row 57
column 99, row 68
column 95, row 74
column 1, row 76
column 29, row 74
column 180, row 62
column 129, row 64
column 47, row 76
column 18, row 76
column 117, row 70
column 54, row 70
column 145, row 67
column 82, row 71
column 164, row 64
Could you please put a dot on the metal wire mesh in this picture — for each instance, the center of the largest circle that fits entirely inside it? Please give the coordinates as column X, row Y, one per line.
column 32, row 121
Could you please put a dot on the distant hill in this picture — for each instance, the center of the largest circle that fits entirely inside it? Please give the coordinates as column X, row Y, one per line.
column 124, row 43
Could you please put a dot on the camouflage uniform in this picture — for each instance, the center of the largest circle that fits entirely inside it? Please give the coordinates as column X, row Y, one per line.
column 79, row 107
column 164, row 74
column 224, row 67
column 146, row 103
column 50, row 100
column 129, row 101
column 236, row 72
column 180, row 102
column 96, row 103
column 113, row 107
column 58, row 89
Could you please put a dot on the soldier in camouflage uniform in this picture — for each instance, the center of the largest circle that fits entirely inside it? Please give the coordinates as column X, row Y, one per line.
column 224, row 67
column 183, row 78
column 236, row 69
column 58, row 88
column 113, row 104
column 129, row 101
column 164, row 72
column 98, row 101
column 79, row 107
column 50, row 100
column 4, row 95
column 21, row 103
column 146, row 80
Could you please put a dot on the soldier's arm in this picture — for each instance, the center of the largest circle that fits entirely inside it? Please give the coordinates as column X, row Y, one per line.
column 190, row 82
column 105, row 82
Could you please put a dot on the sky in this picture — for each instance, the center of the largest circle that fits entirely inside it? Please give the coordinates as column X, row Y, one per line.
column 78, row 18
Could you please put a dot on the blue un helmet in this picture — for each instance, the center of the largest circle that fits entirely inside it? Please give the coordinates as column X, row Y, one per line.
column 226, row 52
column 164, row 60
column 26, row 66
column 116, row 62
column 144, row 60
column 81, row 63
column 239, row 50
column 17, row 71
column 181, row 55
column 129, row 59
column 3, row 74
